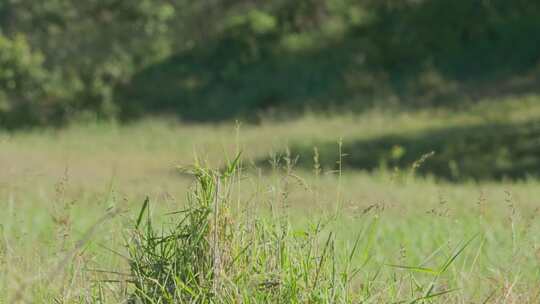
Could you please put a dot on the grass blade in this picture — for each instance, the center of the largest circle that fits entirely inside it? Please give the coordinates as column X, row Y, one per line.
column 456, row 254
column 416, row 269
column 141, row 213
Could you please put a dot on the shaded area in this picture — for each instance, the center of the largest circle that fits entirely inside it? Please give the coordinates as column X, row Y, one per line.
column 431, row 53
column 483, row 152
column 209, row 88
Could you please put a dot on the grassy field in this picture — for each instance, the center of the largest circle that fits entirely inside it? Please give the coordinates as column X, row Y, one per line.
column 70, row 199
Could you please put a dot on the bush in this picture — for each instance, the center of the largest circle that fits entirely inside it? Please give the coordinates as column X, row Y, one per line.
column 23, row 82
column 61, row 59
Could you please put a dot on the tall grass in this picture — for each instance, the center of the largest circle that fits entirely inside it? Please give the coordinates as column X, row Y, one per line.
column 261, row 235
column 207, row 253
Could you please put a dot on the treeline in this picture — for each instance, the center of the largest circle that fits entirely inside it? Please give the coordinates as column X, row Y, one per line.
column 63, row 60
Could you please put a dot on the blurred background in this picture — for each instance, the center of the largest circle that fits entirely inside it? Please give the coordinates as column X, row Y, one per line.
column 217, row 61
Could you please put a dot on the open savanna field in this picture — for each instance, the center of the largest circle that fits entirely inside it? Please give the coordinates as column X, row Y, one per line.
column 335, row 208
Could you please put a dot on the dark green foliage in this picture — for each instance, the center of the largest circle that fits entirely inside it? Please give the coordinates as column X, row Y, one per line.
column 347, row 55
column 225, row 59
column 86, row 47
column 22, row 79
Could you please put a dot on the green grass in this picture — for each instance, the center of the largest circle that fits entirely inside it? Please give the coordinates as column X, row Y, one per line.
column 71, row 201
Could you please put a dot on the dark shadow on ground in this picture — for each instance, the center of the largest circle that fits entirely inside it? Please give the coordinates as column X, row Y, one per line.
column 432, row 53
column 485, row 152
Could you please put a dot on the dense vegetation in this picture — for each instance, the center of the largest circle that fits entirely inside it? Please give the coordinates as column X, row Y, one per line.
column 225, row 231
column 208, row 60
column 342, row 151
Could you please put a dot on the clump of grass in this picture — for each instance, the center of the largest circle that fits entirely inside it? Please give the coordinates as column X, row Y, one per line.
column 209, row 253
column 206, row 255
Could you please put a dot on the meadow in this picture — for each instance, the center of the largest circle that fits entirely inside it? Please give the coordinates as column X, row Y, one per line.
column 333, row 208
